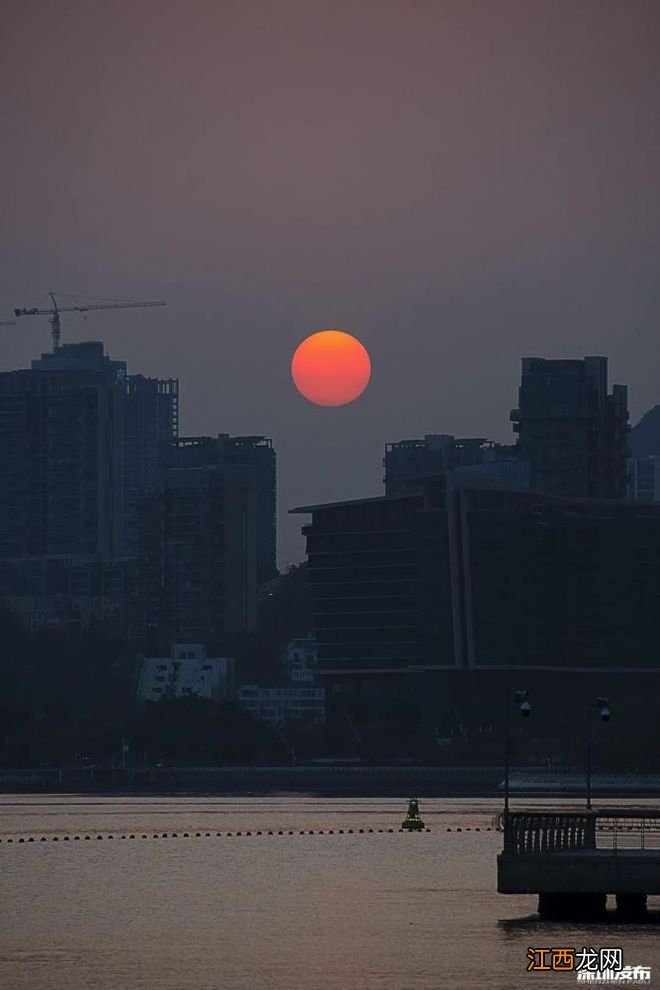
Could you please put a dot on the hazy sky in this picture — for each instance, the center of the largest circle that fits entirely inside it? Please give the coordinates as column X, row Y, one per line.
column 459, row 184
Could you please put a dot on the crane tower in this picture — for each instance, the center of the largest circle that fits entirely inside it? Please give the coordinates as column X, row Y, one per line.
column 82, row 306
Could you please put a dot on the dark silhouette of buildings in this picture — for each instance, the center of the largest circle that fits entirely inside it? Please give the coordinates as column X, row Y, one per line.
column 255, row 455
column 151, row 419
column 573, row 433
column 107, row 517
column 644, row 464
column 644, row 478
column 406, row 462
column 204, row 537
column 80, row 439
column 61, row 435
column 71, row 593
column 645, row 435
column 466, row 578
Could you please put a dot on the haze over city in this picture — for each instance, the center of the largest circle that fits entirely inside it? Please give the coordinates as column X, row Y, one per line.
column 329, row 493
column 458, row 184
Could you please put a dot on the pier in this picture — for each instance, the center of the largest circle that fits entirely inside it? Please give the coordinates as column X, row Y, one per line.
column 574, row 859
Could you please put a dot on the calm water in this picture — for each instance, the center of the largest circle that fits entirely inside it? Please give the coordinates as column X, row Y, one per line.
column 290, row 912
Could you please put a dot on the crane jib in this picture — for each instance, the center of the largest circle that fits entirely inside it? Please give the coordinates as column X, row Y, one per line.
column 54, row 312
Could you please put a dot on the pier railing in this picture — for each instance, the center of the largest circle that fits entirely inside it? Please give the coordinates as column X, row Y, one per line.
column 532, row 833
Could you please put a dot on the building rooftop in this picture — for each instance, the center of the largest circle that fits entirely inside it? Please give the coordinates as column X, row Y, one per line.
column 300, row 509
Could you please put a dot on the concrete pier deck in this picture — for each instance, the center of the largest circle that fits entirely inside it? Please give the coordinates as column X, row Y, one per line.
column 573, row 860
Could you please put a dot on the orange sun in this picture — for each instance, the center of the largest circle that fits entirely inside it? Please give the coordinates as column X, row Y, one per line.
column 331, row 368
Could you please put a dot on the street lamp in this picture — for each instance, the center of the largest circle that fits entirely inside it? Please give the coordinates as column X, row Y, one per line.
column 520, row 698
column 603, row 705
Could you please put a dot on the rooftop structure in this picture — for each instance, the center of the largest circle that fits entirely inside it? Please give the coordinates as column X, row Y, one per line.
column 407, row 462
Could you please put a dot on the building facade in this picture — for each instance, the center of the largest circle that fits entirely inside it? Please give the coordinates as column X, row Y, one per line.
column 251, row 455
column 644, row 478
column 187, row 672
column 469, row 578
column 151, row 420
column 61, row 447
column 406, row 462
column 571, row 430
column 299, row 659
column 279, row 705
column 380, row 582
column 71, row 593
column 80, row 439
column 196, row 546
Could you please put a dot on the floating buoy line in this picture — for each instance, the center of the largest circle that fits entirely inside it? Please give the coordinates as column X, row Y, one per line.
column 108, row 836
column 412, row 823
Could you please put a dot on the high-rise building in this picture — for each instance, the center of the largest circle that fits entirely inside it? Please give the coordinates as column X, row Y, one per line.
column 571, row 430
column 61, row 434
column 197, row 544
column 151, row 420
column 79, row 441
column 408, row 462
column 256, row 455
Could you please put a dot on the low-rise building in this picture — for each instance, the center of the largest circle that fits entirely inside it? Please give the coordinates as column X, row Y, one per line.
column 299, row 658
column 187, row 672
column 283, row 704
column 644, row 478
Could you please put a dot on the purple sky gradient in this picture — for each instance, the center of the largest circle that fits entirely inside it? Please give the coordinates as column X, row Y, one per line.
column 458, row 184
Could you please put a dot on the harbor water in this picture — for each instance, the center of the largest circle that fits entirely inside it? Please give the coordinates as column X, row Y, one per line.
column 369, row 908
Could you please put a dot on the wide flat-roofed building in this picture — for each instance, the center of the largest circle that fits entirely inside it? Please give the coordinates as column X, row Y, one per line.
column 465, row 578
column 379, row 579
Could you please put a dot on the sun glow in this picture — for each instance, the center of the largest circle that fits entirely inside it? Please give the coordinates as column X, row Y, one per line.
column 331, row 368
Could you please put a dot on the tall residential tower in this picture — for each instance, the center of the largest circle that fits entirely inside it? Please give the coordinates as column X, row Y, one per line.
column 571, row 430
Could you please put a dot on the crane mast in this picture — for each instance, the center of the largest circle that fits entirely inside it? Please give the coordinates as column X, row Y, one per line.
column 53, row 313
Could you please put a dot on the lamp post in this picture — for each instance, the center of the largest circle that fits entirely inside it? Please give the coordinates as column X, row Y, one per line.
column 603, row 705
column 520, row 698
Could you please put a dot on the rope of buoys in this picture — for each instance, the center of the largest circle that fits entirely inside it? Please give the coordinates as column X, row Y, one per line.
column 174, row 835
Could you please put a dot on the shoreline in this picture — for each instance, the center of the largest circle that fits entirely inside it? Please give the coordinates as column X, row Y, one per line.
column 327, row 781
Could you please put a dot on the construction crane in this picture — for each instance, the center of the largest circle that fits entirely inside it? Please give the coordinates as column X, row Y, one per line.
column 85, row 307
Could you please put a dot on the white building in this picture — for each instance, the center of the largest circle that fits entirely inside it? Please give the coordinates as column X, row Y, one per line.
column 299, row 657
column 188, row 671
column 281, row 704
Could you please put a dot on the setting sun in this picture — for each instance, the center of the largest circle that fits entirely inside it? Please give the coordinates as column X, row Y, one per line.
column 331, row 368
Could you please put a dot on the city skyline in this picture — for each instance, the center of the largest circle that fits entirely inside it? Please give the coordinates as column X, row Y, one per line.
column 457, row 186
column 329, row 488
